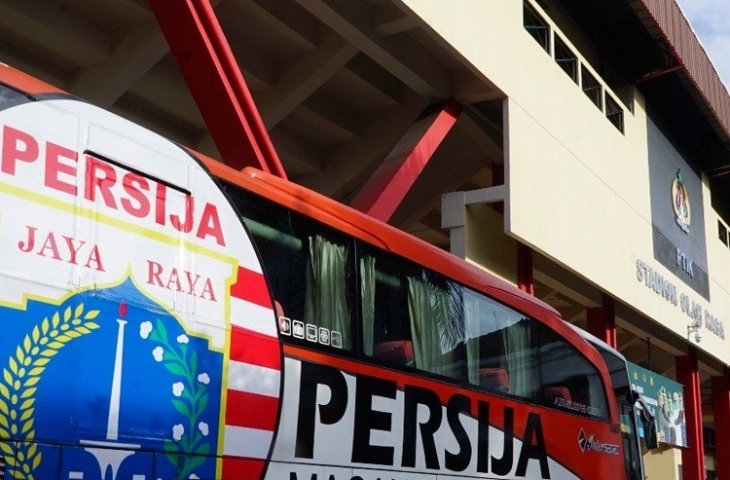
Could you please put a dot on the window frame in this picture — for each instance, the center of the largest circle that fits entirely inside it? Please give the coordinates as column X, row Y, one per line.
column 565, row 58
column 537, row 27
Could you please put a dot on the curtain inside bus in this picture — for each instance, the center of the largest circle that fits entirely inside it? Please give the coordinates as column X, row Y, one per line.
column 436, row 326
column 367, row 293
column 325, row 297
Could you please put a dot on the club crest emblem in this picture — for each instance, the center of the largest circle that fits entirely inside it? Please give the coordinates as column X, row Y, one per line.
column 80, row 372
column 680, row 203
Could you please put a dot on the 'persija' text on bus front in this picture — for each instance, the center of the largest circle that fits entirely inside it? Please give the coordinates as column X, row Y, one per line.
column 138, row 196
column 368, row 419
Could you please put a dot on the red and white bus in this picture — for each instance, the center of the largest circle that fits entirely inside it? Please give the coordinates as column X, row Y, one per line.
column 167, row 317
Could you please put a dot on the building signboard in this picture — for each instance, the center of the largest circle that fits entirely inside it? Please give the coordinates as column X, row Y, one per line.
column 665, row 399
column 677, row 214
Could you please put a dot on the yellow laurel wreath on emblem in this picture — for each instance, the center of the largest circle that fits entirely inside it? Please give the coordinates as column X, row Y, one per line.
column 19, row 381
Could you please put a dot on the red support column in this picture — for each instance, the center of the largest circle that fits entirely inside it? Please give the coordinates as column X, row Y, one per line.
column 721, row 413
column 602, row 322
column 693, row 460
column 525, row 279
column 215, row 80
column 385, row 190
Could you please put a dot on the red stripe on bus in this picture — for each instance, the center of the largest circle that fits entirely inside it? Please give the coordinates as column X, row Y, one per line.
column 235, row 468
column 251, row 410
column 251, row 286
column 255, row 348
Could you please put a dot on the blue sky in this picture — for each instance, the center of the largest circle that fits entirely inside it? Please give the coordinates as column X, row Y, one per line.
column 710, row 20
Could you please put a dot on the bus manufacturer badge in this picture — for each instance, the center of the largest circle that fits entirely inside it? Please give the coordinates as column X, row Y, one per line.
column 680, row 203
column 588, row 443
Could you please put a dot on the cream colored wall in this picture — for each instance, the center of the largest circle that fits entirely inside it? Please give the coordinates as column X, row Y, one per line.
column 578, row 188
column 718, row 259
column 487, row 244
column 662, row 464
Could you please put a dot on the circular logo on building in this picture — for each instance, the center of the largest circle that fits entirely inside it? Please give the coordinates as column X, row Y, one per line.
column 680, row 203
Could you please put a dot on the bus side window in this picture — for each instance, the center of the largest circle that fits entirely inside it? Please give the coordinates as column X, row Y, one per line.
column 411, row 316
column 486, row 363
column 307, row 266
column 326, row 303
column 569, row 381
column 500, row 347
column 10, row 97
column 386, row 328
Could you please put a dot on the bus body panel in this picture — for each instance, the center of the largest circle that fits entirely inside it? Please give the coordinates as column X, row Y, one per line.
column 361, row 421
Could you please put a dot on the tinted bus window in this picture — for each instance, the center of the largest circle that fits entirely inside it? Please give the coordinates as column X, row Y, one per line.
column 10, row 97
column 309, row 270
column 501, row 347
column 411, row 316
column 569, row 381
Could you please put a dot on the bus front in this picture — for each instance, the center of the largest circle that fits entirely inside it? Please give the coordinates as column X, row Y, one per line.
column 630, row 406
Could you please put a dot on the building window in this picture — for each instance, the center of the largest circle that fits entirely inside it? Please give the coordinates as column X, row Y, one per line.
column 569, row 62
column 591, row 87
column 537, row 27
column 566, row 59
column 722, row 233
column 614, row 113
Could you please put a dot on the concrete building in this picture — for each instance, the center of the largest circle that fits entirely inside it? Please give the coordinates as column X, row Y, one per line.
column 578, row 149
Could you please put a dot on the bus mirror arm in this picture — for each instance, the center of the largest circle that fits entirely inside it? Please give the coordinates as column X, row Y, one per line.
column 648, row 420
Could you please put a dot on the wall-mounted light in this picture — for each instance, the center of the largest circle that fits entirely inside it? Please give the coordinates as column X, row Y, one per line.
column 696, row 330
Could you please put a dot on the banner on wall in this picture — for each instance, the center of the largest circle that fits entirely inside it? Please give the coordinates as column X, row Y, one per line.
column 677, row 213
column 665, row 399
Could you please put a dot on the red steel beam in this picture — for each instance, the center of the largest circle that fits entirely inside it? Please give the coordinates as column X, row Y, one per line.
column 206, row 61
column 385, row 190
column 602, row 322
column 693, row 457
column 721, row 413
column 525, row 277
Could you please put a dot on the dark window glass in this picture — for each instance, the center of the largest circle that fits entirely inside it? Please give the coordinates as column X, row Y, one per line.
column 9, row 97
column 722, row 232
column 591, row 87
column 569, row 381
column 308, row 267
column 614, row 113
column 566, row 59
column 411, row 316
column 536, row 27
column 632, row 455
column 501, row 347
column 708, row 436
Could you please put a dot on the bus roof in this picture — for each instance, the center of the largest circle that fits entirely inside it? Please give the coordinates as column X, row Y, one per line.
column 27, row 84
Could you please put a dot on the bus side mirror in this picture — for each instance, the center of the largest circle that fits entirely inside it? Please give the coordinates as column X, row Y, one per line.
column 650, row 436
column 648, row 420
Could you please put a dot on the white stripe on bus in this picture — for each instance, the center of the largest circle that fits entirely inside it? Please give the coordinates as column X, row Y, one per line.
column 253, row 317
column 244, row 377
column 247, row 442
